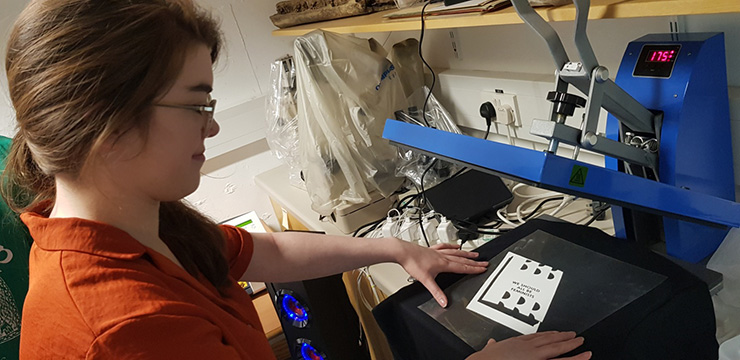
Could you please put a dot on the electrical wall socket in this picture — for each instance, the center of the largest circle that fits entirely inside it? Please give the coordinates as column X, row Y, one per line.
column 507, row 108
column 461, row 91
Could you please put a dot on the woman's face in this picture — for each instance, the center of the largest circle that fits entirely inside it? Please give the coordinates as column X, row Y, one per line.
column 166, row 165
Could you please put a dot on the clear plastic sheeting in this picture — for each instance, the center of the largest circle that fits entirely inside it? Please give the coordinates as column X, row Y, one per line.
column 413, row 165
column 592, row 287
column 436, row 115
column 282, row 117
column 347, row 88
column 405, row 56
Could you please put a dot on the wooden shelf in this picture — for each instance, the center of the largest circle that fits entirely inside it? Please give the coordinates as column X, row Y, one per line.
column 600, row 9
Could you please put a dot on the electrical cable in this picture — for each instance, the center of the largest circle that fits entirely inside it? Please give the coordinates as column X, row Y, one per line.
column 503, row 218
column 508, row 134
column 497, row 232
column 521, row 219
column 434, row 76
column 423, row 233
column 406, row 201
column 596, row 216
column 359, row 290
column 376, row 222
column 402, row 204
column 567, row 200
column 464, row 233
column 474, row 229
column 582, row 219
column 422, row 193
column 478, row 229
column 574, row 212
column 364, row 272
column 458, row 172
column 371, row 229
column 539, row 206
column 424, row 115
column 521, row 185
column 424, row 197
column 491, row 226
column 527, row 202
column 488, row 112
column 468, row 223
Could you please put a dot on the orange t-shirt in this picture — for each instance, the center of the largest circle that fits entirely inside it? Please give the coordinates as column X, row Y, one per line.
column 97, row 293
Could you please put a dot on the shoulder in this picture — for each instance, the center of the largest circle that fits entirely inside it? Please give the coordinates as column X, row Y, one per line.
column 233, row 233
column 239, row 249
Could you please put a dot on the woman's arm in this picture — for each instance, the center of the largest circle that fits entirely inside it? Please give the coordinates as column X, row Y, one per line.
column 292, row 256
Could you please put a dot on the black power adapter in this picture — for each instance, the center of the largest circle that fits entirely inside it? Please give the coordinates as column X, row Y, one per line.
column 469, row 196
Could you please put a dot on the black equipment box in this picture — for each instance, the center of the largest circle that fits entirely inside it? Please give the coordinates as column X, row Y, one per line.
column 469, row 196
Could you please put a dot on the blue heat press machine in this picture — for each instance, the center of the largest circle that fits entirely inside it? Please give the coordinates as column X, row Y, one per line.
column 668, row 175
column 669, row 169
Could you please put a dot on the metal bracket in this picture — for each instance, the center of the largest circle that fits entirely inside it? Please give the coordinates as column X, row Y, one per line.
column 572, row 136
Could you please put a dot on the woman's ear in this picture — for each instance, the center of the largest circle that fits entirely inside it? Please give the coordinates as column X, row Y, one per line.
column 122, row 145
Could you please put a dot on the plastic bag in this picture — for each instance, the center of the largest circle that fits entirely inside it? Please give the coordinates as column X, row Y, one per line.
column 405, row 56
column 282, row 117
column 414, row 165
column 347, row 88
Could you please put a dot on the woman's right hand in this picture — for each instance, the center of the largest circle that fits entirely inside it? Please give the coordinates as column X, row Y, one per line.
column 538, row 346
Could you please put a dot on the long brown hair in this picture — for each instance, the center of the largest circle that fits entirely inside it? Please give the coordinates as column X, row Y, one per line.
column 83, row 72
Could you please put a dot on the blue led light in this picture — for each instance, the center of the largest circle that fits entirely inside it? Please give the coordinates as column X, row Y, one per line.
column 293, row 308
column 308, row 352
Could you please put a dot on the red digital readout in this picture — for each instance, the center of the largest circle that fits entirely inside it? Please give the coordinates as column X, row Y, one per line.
column 661, row 55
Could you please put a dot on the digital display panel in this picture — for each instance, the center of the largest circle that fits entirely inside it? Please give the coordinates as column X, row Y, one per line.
column 661, row 55
column 657, row 60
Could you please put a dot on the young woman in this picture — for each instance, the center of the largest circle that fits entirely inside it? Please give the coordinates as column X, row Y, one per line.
column 113, row 105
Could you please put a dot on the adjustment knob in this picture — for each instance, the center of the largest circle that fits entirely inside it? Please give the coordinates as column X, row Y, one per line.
column 565, row 103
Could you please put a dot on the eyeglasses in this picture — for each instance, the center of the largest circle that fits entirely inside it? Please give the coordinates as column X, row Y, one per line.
column 206, row 110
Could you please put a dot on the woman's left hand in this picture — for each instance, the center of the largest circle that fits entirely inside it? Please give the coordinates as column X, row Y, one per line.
column 424, row 264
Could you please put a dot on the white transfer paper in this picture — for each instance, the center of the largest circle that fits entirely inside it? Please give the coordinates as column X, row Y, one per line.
column 517, row 294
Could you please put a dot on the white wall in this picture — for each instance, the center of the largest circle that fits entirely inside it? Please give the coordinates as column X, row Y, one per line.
column 241, row 80
column 9, row 10
column 240, row 152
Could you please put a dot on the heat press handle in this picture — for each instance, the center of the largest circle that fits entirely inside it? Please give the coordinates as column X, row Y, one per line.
column 541, row 27
column 585, row 51
column 611, row 97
